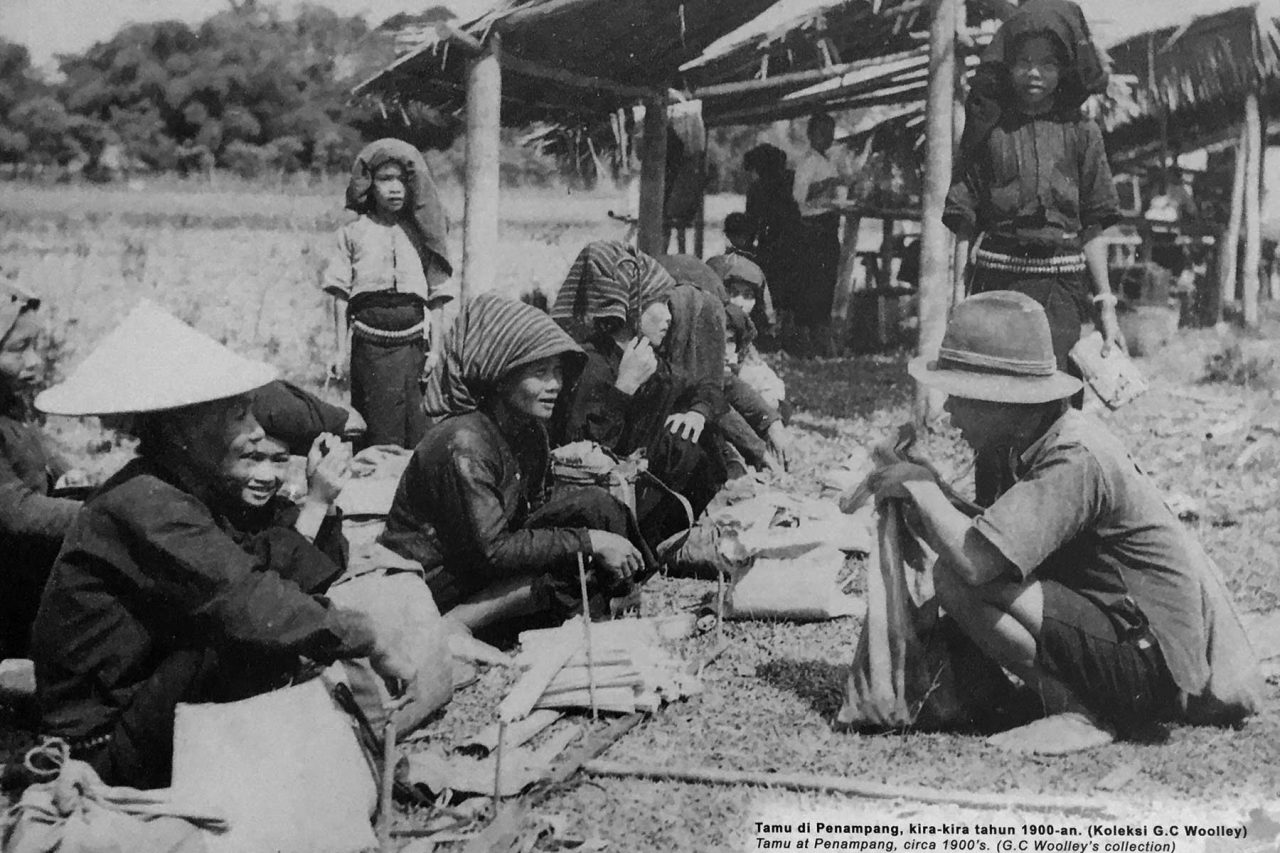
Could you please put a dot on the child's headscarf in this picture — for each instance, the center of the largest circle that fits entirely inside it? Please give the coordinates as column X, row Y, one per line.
column 491, row 336
column 13, row 301
column 734, row 267
column 428, row 217
column 609, row 279
column 991, row 88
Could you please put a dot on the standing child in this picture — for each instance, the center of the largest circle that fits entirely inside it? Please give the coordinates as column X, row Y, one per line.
column 388, row 282
column 1032, row 187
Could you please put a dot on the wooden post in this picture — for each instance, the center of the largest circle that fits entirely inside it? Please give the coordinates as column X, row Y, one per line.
column 935, row 249
column 1252, row 210
column 652, row 234
column 846, row 277
column 1229, row 244
column 480, row 213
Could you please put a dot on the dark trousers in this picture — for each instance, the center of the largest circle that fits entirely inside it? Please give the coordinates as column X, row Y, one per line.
column 819, row 264
column 696, row 471
column 386, row 376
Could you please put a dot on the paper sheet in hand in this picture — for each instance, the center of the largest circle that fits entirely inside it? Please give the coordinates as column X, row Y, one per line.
column 1114, row 378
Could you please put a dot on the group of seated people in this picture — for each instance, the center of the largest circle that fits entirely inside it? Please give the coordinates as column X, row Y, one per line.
column 187, row 576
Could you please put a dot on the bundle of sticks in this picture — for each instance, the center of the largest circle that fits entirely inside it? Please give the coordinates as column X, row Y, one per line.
column 624, row 669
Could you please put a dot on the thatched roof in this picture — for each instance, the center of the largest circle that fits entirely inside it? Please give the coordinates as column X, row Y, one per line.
column 1192, row 75
column 566, row 60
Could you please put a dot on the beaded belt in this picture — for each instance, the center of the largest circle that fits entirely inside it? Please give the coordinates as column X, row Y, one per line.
column 1053, row 265
column 82, row 745
column 364, row 330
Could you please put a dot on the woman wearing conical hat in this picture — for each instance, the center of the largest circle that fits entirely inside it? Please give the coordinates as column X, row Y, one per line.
column 1077, row 578
column 151, row 602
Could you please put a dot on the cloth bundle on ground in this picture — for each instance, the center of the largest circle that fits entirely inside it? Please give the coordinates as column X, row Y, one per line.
column 431, row 224
column 395, row 599
column 789, row 558
column 912, row 666
column 285, row 768
column 75, row 812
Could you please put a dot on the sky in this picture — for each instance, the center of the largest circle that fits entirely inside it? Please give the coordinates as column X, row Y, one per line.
column 48, row 27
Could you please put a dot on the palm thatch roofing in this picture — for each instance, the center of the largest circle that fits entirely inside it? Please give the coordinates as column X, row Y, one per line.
column 566, row 61
column 1190, row 77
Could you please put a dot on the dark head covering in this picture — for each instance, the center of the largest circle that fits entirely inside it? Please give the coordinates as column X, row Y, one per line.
column 13, row 302
column 1084, row 72
column 686, row 269
column 609, row 279
column 738, row 327
column 765, row 160
column 431, row 227
column 295, row 417
column 734, row 267
column 492, row 336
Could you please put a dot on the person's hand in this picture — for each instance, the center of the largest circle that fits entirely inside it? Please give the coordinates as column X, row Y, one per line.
column 615, row 554
column 433, row 360
column 355, row 425
column 328, row 468
column 1111, row 334
column 336, row 370
column 687, row 425
column 889, row 483
column 76, row 478
column 778, row 438
column 639, row 362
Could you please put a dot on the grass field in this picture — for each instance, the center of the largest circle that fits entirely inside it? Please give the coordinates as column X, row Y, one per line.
column 242, row 265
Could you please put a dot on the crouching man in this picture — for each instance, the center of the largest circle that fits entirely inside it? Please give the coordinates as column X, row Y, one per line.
column 1077, row 579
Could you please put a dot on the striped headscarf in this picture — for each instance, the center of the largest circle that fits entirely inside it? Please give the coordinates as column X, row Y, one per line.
column 609, row 278
column 491, row 336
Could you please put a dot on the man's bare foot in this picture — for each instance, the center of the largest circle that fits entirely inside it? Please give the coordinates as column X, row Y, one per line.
column 1059, row 734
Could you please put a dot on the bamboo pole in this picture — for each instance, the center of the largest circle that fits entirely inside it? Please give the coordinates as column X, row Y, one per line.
column 935, row 249
column 1229, row 245
column 847, row 276
column 1252, row 210
column 480, row 211
column 845, row 785
column 651, row 236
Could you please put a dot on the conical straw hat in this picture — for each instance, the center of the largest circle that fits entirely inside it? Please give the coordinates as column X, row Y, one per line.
column 151, row 362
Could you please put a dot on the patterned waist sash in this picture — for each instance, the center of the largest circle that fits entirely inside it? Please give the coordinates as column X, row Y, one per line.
column 364, row 330
column 1071, row 262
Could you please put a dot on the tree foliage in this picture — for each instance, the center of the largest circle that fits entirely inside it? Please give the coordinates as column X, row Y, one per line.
column 247, row 89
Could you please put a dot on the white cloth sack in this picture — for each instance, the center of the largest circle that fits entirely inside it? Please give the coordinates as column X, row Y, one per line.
column 405, row 615
column 284, row 767
column 802, row 588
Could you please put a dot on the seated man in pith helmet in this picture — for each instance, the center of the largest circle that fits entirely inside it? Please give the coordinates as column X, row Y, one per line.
column 1077, row 579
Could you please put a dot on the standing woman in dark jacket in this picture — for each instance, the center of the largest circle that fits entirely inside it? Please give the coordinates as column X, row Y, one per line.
column 32, row 523
column 152, row 602
column 628, row 397
column 472, row 506
column 773, row 212
column 1032, row 188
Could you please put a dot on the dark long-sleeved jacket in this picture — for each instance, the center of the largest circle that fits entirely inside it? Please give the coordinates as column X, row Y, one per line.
column 1045, row 177
column 593, row 407
column 462, row 501
column 147, row 570
column 29, row 518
